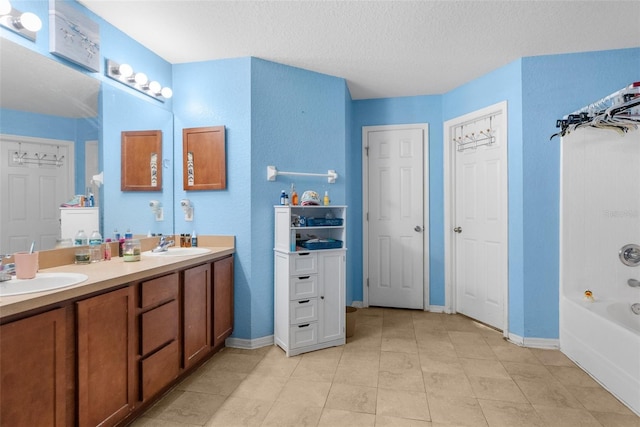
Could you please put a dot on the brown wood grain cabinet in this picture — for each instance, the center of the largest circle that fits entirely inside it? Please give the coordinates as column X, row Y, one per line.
column 159, row 322
column 222, row 300
column 106, row 368
column 196, row 308
column 33, row 372
column 103, row 359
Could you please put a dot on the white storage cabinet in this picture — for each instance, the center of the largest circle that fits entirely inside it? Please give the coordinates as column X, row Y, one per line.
column 74, row 219
column 309, row 312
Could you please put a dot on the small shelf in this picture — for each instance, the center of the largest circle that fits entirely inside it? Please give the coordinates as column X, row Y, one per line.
column 288, row 234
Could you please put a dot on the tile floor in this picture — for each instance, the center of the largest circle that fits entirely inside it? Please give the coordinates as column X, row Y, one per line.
column 401, row 368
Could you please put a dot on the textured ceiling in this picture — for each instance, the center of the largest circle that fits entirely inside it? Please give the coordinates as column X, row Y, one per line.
column 382, row 48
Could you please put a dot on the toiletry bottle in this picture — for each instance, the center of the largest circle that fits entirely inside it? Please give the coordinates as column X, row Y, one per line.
column 282, row 196
column 92, row 200
column 80, row 239
column 194, row 239
column 128, row 235
column 294, row 196
column 286, row 200
column 121, row 247
column 326, row 198
column 95, row 246
column 107, row 249
column 116, row 235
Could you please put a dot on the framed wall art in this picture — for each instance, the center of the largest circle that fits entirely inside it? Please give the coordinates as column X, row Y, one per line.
column 73, row 36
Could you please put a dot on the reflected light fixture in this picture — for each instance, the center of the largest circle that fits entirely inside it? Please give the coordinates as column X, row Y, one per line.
column 26, row 24
column 139, row 81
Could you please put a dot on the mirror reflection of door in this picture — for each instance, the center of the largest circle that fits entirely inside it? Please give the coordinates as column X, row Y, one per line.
column 32, row 191
column 91, row 168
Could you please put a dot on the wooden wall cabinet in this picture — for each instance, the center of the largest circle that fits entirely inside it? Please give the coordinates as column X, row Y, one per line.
column 204, row 162
column 141, row 163
column 33, row 374
column 106, row 368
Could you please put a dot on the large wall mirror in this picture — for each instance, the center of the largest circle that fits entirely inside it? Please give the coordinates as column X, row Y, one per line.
column 52, row 143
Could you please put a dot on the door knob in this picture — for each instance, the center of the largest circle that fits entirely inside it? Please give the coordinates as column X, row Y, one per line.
column 417, row 228
column 458, row 229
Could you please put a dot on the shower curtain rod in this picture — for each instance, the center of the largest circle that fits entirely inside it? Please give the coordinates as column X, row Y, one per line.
column 614, row 112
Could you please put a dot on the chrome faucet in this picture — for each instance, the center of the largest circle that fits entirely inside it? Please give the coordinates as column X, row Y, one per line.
column 163, row 245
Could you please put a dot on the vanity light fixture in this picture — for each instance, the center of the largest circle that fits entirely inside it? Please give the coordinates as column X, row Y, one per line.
column 139, row 81
column 26, row 24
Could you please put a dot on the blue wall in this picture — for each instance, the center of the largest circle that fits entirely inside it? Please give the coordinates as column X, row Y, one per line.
column 392, row 111
column 304, row 121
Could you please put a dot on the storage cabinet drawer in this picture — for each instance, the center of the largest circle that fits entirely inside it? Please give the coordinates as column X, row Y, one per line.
column 158, row 290
column 303, row 263
column 303, row 335
column 158, row 327
column 159, row 369
column 303, row 311
column 303, row 286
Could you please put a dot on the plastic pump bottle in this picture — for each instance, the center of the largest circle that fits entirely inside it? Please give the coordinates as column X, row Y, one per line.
column 294, row 196
column 326, row 198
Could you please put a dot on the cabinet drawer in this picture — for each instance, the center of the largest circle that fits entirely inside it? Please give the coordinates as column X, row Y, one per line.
column 303, row 286
column 159, row 369
column 303, row 311
column 303, row 263
column 158, row 326
column 157, row 290
column 303, row 335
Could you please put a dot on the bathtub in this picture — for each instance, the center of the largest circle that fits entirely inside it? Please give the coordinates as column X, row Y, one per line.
column 603, row 338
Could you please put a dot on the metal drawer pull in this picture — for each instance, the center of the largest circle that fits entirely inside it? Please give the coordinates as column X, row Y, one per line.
column 303, row 277
column 303, row 301
column 303, row 326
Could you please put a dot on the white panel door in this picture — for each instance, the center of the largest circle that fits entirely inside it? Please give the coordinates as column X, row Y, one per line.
column 481, row 224
column 331, row 295
column 33, row 194
column 396, row 217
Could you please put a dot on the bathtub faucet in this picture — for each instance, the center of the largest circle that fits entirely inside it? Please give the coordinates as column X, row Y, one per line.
column 633, row 283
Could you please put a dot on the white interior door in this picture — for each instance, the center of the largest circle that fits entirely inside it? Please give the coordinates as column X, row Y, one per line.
column 396, row 221
column 480, row 218
column 32, row 192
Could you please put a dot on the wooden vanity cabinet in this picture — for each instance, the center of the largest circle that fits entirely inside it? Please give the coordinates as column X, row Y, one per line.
column 196, row 309
column 33, row 372
column 222, row 300
column 106, row 354
column 159, row 322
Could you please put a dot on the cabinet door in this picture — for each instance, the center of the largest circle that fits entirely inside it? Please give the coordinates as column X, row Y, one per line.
column 331, row 290
column 32, row 367
column 106, row 357
column 222, row 300
column 196, row 314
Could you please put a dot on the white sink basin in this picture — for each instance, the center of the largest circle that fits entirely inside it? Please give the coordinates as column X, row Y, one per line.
column 179, row 252
column 42, row 282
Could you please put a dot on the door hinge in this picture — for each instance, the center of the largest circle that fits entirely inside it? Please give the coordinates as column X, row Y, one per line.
column 367, row 216
column 366, row 150
column 367, row 282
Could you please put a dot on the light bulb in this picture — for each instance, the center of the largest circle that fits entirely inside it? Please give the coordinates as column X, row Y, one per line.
column 154, row 87
column 166, row 92
column 141, row 78
column 30, row 21
column 5, row 7
column 125, row 70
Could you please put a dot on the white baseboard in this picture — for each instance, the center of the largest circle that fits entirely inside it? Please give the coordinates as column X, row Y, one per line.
column 439, row 309
column 357, row 304
column 249, row 344
column 546, row 343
